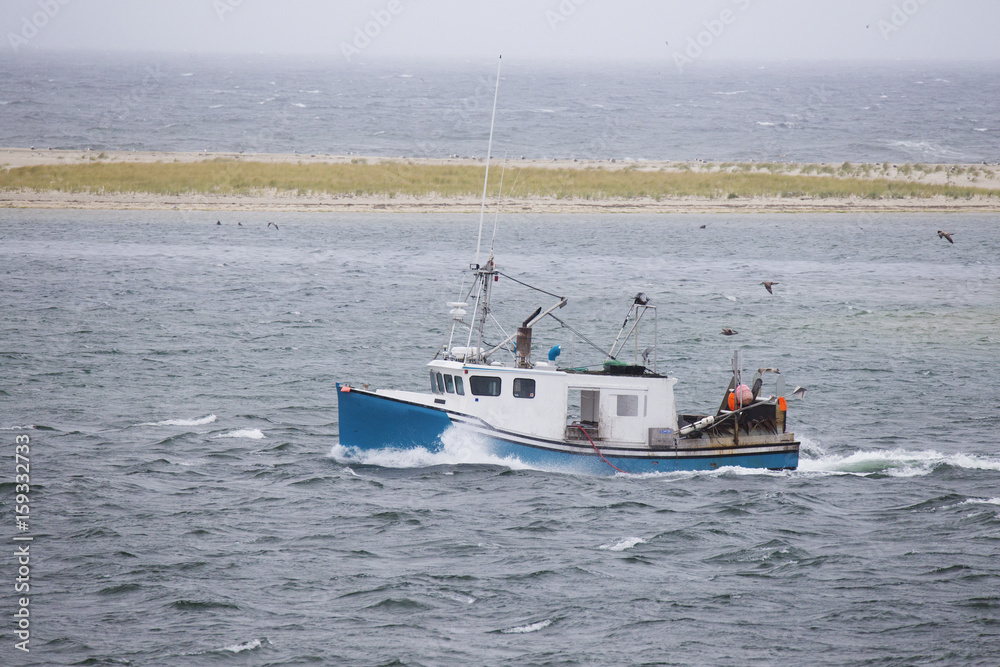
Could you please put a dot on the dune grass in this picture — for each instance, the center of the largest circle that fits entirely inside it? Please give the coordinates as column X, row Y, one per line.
column 389, row 179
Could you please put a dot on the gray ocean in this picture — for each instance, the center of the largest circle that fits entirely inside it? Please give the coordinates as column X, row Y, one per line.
column 191, row 503
column 927, row 112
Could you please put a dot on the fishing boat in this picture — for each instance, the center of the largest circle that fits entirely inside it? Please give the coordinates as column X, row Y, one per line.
column 616, row 417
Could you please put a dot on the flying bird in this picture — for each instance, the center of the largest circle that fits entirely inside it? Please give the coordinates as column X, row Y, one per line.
column 767, row 285
column 275, row 225
column 945, row 235
column 799, row 392
column 729, row 332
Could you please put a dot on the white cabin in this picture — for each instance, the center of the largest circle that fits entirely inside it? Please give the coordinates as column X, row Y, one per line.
column 549, row 403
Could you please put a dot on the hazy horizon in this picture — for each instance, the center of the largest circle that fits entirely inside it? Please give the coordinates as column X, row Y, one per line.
column 672, row 33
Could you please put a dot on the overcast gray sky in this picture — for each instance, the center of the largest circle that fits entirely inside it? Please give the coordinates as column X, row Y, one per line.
column 669, row 30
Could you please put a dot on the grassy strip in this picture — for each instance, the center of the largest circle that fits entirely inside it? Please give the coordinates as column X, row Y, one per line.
column 233, row 177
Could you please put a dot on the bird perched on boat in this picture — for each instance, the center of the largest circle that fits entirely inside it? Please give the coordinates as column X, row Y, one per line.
column 645, row 355
column 275, row 225
column 729, row 332
column 945, row 235
column 767, row 285
column 641, row 299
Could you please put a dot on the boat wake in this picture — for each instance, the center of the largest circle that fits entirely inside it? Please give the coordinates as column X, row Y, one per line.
column 897, row 462
column 464, row 448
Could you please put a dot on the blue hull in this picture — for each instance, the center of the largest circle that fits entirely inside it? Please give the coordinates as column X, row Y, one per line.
column 371, row 422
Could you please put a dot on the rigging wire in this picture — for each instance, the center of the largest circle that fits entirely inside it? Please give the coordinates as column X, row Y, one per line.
column 537, row 289
column 585, row 339
column 496, row 219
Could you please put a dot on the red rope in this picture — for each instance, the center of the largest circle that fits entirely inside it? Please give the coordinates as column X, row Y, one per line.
column 599, row 451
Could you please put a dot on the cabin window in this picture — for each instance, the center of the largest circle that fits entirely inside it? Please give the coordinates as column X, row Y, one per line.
column 440, row 384
column 449, row 384
column 484, row 386
column 434, row 387
column 628, row 405
column 459, row 387
column 524, row 388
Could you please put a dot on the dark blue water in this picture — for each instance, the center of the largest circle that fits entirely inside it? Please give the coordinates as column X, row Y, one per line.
column 872, row 112
column 191, row 504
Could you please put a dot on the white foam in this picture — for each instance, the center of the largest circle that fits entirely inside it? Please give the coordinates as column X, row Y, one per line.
column 981, row 501
column 735, row 92
column 201, row 421
column 522, row 629
column 250, row 433
column 896, row 462
column 245, row 646
column 623, row 544
column 29, row 427
column 299, row 105
column 765, row 124
column 460, row 447
column 925, row 148
column 215, row 106
column 188, row 74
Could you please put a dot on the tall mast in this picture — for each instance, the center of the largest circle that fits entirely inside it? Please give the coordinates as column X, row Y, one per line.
column 483, row 297
column 489, row 152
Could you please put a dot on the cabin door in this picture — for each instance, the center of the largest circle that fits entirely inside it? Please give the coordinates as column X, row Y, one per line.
column 623, row 415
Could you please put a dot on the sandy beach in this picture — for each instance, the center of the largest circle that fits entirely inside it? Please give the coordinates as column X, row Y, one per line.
column 981, row 176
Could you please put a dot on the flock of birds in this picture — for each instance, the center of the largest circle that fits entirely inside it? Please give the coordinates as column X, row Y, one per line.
column 769, row 283
column 240, row 224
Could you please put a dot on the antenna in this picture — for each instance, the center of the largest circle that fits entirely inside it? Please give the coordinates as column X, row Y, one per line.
column 489, row 151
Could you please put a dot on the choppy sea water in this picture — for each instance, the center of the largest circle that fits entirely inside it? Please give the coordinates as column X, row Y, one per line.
column 867, row 112
column 192, row 505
